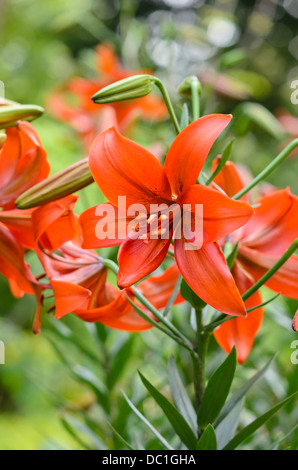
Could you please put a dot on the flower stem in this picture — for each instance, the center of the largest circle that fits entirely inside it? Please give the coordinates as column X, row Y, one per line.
column 199, row 359
column 113, row 267
column 168, row 103
column 268, row 170
column 195, row 97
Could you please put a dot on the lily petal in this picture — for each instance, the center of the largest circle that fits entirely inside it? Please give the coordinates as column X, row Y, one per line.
column 19, row 223
column 23, row 163
column 112, row 218
column 229, row 179
column 221, row 215
column 69, row 297
column 55, row 223
column 207, row 273
column 138, row 258
column 269, row 215
column 116, row 312
column 257, row 263
column 241, row 332
column 121, row 167
column 12, row 264
column 190, row 149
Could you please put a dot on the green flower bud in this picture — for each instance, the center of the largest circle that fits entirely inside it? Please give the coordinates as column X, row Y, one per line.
column 68, row 181
column 185, row 89
column 129, row 88
column 11, row 114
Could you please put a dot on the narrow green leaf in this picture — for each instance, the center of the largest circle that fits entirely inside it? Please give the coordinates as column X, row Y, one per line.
column 279, row 442
column 64, row 332
column 191, row 297
column 232, row 256
column 176, row 419
column 184, row 117
column 161, row 439
column 74, row 434
column 228, row 426
column 119, row 361
column 208, row 439
column 225, row 157
column 180, row 396
column 255, row 425
column 217, row 391
column 89, row 378
column 121, row 439
column 83, row 374
column 241, row 393
column 79, row 431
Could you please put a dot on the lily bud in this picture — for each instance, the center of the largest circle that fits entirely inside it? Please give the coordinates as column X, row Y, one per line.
column 68, row 181
column 2, row 140
column 185, row 89
column 129, row 88
column 11, row 114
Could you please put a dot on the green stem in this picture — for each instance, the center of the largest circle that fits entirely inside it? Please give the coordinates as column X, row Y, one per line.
column 173, row 296
column 113, row 267
column 168, row 103
column 199, row 359
column 195, row 97
column 225, row 318
column 268, row 170
column 159, row 327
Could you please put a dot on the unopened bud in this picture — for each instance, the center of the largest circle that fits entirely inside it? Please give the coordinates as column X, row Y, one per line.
column 186, row 87
column 129, row 88
column 68, row 181
column 11, row 114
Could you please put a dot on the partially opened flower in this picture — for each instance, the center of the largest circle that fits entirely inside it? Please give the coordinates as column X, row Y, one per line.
column 78, row 279
column 120, row 167
column 87, row 118
column 261, row 243
column 23, row 163
column 50, row 225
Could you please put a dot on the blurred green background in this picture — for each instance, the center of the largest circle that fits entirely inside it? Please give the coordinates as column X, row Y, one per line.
column 243, row 51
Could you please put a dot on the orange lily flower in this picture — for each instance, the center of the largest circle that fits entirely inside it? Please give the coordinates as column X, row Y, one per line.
column 46, row 228
column 120, row 167
column 262, row 242
column 86, row 117
column 50, row 225
column 23, row 163
column 78, row 280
